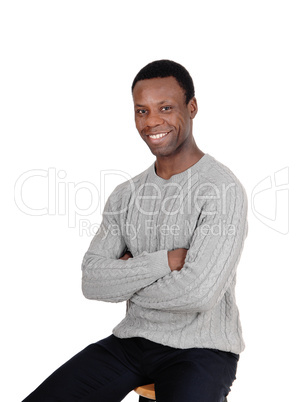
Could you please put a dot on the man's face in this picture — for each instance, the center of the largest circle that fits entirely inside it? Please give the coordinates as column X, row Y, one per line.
column 162, row 117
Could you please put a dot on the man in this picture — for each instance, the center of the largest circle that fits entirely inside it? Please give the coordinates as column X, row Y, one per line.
column 169, row 244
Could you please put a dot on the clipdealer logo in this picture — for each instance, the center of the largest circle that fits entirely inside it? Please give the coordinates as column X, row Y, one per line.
column 52, row 194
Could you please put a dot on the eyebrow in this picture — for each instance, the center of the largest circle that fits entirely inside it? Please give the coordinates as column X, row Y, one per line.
column 159, row 103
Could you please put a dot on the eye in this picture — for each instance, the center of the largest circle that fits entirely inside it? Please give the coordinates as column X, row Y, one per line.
column 141, row 111
column 165, row 108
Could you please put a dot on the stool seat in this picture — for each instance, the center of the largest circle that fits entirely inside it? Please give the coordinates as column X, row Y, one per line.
column 147, row 391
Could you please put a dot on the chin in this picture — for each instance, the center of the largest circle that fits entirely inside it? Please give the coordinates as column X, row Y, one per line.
column 159, row 152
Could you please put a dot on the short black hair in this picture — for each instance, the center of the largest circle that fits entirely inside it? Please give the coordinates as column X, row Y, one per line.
column 168, row 68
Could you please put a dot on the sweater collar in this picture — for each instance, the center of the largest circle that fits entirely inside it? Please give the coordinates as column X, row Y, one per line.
column 201, row 164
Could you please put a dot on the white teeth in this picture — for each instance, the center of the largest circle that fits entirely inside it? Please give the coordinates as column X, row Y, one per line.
column 158, row 135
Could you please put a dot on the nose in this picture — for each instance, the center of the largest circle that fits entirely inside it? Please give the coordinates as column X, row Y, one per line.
column 153, row 119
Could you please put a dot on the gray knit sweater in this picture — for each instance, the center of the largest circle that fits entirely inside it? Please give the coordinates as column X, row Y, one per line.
column 202, row 209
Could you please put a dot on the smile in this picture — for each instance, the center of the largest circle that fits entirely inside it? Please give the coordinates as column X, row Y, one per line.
column 156, row 136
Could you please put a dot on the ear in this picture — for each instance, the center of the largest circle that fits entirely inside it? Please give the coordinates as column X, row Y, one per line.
column 193, row 107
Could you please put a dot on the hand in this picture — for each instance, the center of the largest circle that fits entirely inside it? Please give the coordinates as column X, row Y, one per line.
column 126, row 256
column 176, row 258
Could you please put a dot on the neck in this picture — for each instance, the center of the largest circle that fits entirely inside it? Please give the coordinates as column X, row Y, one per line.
column 167, row 166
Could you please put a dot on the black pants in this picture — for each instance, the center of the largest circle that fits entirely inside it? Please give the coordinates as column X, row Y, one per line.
column 108, row 370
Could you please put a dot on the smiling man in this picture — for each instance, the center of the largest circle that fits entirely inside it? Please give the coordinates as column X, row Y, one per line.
column 176, row 268
column 164, row 121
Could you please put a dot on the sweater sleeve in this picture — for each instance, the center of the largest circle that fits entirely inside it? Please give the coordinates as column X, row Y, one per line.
column 104, row 276
column 210, row 264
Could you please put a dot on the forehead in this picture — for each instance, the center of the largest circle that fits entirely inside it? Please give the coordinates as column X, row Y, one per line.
column 157, row 90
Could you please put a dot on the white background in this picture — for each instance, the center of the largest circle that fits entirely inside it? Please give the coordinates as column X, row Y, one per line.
column 66, row 113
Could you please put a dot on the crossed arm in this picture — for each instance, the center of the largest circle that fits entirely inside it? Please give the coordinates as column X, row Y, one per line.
column 175, row 258
column 179, row 280
column 109, row 273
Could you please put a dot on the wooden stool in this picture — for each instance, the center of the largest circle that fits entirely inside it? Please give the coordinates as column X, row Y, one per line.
column 147, row 393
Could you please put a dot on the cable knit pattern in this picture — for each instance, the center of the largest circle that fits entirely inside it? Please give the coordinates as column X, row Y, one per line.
column 203, row 209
